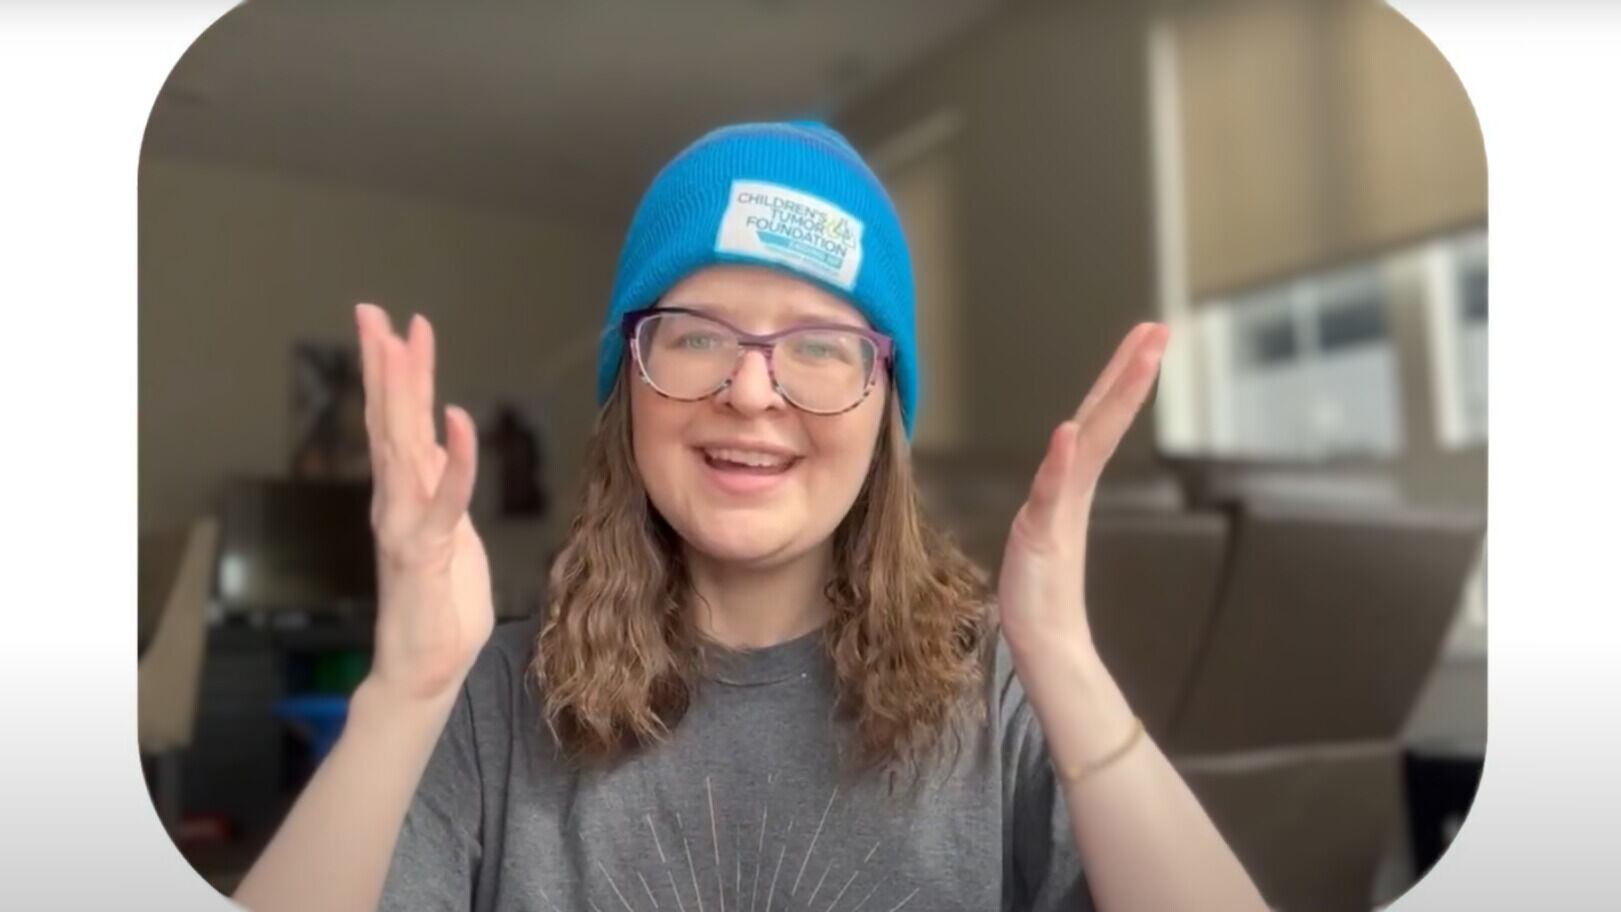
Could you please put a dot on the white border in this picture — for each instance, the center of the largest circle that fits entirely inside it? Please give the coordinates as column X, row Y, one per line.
column 79, row 830
column 79, row 82
column 1536, row 74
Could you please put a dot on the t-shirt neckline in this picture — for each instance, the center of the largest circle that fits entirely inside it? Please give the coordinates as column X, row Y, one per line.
column 802, row 657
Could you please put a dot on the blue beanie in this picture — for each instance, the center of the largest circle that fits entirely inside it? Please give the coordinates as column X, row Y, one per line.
column 790, row 196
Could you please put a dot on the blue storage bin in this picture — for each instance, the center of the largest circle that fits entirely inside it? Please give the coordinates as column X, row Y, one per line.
column 319, row 717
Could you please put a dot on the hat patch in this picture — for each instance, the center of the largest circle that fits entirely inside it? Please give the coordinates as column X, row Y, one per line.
column 778, row 224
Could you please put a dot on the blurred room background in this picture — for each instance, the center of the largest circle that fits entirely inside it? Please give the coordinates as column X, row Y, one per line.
column 1287, row 569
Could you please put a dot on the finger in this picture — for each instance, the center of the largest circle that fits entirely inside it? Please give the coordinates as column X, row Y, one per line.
column 367, row 319
column 1116, row 365
column 1118, row 362
column 420, row 343
column 435, row 464
column 370, row 324
column 399, row 418
column 1113, row 414
column 1047, row 488
column 455, row 490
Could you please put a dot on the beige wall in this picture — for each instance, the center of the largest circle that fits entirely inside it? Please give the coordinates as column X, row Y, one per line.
column 924, row 189
column 235, row 266
column 1316, row 132
column 1054, row 205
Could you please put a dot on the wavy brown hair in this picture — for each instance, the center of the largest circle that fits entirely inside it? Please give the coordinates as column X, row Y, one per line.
column 620, row 658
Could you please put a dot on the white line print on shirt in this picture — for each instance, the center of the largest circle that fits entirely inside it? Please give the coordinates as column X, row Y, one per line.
column 870, row 852
column 737, row 859
column 841, row 891
column 548, row 899
column 791, row 900
column 650, row 897
column 665, row 862
column 823, row 879
column 780, row 852
column 865, row 898
column 812, row 847
column 615, row 887
column 765, row 812
column 697, row 894
column 714, row 837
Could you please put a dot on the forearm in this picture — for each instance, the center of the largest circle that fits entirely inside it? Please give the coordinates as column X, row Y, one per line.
column 1146, row 843
column 332, row 852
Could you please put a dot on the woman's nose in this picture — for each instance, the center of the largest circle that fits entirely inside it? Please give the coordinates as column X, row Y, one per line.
column 751, row 389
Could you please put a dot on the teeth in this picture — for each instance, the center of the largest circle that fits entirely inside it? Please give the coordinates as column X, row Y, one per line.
column 750, row 458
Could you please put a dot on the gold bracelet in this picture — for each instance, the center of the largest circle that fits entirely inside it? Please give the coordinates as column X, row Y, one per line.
column 1097, row 766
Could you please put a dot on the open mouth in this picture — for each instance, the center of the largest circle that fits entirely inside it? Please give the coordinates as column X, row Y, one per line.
column 748, row 462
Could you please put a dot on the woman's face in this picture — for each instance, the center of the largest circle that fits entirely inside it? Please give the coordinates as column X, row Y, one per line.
column 744, row 476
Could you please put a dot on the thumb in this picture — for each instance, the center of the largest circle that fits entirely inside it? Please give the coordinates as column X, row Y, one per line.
column 455, row 489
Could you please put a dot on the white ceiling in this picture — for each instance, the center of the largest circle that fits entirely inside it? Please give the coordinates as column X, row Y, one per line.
column 558, row 106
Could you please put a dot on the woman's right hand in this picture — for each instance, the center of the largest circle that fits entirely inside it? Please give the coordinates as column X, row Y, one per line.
column 435, row 610
column 434, row 614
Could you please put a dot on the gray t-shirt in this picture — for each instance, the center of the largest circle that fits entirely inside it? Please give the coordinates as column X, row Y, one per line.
column 745, row 806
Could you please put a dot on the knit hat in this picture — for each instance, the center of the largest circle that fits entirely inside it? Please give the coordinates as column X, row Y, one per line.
column 796, row 197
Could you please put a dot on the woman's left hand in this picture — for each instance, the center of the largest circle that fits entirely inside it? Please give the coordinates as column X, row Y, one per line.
column 1142, row 820
column 1042, row 586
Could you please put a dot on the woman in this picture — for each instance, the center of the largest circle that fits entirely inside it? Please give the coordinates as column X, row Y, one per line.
column 763, row 682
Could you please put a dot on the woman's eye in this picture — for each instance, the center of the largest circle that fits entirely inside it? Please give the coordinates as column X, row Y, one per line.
column 818, row 349
column 698, row 341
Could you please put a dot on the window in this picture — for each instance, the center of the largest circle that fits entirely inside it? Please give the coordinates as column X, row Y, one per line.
column 1455, row 302
column 1304, row 369
column 1471, row 341
column 1307, row 369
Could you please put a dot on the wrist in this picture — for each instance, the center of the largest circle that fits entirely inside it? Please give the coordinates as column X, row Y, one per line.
column 1069, row 648
column 1083, row 712
column 376, row 706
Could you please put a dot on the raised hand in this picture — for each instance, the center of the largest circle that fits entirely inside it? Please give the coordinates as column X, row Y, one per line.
column 1041, row 590
column 1133, row 816
column 434, row 605
column 434, row 614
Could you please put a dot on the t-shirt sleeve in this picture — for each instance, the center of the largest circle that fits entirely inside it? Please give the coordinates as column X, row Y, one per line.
column 1043, row 866
column 438, row 852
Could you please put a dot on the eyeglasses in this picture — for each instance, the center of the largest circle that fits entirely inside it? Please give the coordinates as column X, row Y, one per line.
column 824, row 369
